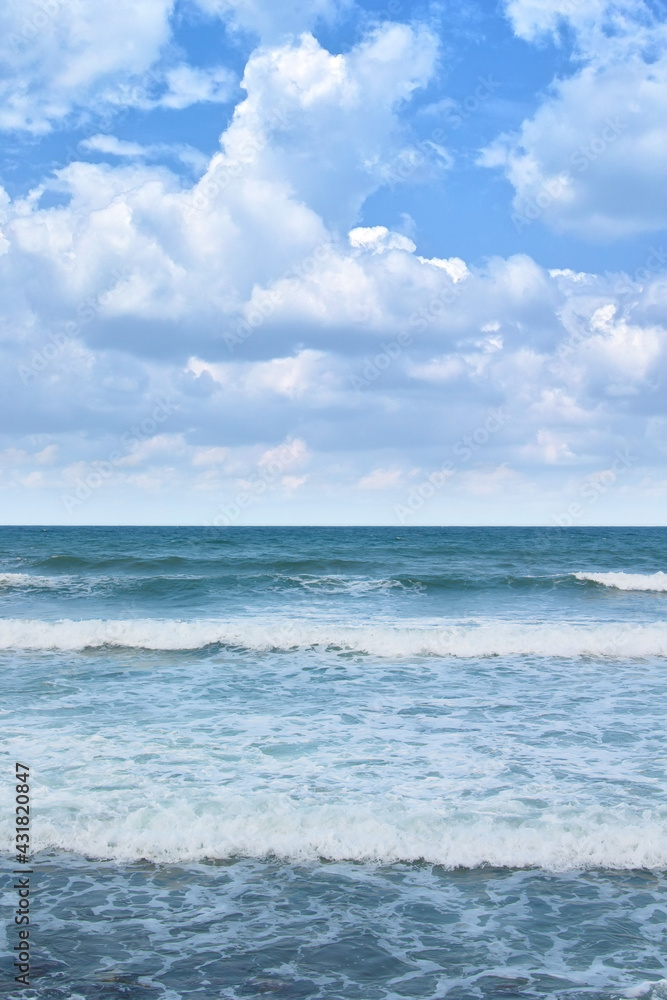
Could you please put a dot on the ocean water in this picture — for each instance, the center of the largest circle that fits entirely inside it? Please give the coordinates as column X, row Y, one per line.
column 365, row 763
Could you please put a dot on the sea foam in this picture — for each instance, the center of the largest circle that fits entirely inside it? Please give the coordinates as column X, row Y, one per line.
column 27, row 580
column 265, row 825
column 628, row 581
column 500, row 638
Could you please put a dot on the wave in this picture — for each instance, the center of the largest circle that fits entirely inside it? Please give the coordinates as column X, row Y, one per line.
column 651, row 989
column 275, row 825
column 167, row 572
column 628, row 581
column 475, row 639
column 355, row 586
column 27, row 580
column 125, row 565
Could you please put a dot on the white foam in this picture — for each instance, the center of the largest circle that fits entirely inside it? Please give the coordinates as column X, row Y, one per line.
column 349, row 585
column 628, row 581
column 26, row 580
column 648, row 989
column 267, row 824
column 499, row 638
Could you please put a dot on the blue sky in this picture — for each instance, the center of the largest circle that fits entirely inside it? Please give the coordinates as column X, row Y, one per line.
column 337, row 262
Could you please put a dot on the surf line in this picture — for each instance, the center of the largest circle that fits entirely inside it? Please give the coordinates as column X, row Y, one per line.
column 22, row 882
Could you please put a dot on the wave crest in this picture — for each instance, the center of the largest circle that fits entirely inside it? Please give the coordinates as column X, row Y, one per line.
column 27, row 580
column 628, row 581
column 409, row 639
column 273, row 825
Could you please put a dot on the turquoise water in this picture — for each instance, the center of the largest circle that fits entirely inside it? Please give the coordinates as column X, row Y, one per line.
column 364, row 763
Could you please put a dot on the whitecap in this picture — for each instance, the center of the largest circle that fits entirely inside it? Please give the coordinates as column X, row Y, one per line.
column 261, row 824
column 409, row 639
column 26, row 580
column 628, row 581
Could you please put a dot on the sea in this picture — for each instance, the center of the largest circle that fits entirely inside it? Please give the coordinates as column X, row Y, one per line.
column 349, row 763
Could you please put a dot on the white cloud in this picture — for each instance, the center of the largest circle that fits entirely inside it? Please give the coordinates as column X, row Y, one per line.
column 210, row 456
column 381, row 479
column 492, row 481
column 61, row 55
column 58, row 55
column 291, row 484
column 292, row 452
column 271, row 20
column 133, row 243
column 188, row 85
column 453, row 266
column 378, row 239
column 304, row 374
column 110, row 145
column 303, row 103
column 378, row 357
column 48, row 455
column 116, row 147
column 533, row 19
column 548, row 448
column 591, row 159
column 439, row 369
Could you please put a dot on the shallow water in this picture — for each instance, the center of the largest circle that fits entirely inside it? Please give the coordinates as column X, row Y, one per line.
column 249, row 928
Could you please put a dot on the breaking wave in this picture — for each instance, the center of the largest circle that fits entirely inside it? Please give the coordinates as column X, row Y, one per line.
column 265, row 825
column 500, row 638
column 628, row 581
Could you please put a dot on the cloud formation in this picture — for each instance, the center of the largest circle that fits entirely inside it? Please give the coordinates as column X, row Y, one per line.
column 591, row 160
column 245, row 340
column 61, row 55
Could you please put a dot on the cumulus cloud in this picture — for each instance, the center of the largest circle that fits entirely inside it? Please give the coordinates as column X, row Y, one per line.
column 59, row 55
column 307, row 373
column 576, row 360
column 132, row 246
column 304, row 102
column 591, row 159
column 378, row 239
column 534, row 19
column 247, row 331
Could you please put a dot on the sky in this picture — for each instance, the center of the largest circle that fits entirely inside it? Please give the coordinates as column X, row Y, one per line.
column 336, row 262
